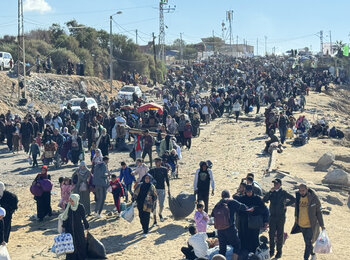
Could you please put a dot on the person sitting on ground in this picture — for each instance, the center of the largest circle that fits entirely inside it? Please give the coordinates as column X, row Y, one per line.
column 273, row 139
column 197, row 244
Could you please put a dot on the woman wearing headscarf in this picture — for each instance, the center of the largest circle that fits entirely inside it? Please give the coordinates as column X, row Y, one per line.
column 76, row 147
column 82, row 186
column 9, row 202
column 104, row 142
column 165, row 145
column 43, row 202
column 97, row 159
column 145, row 196
column 73, row 220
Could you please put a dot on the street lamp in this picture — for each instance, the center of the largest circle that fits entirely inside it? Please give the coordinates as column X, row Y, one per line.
column 111, row 50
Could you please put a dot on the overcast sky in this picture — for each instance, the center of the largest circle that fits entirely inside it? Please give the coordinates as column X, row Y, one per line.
column 286, row 24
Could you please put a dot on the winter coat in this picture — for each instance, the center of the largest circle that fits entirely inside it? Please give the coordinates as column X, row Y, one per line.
column 314, row 209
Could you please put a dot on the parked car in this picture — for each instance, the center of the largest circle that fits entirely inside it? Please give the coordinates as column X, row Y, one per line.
column 6, row 61
column 127, row 91
column 75, row 102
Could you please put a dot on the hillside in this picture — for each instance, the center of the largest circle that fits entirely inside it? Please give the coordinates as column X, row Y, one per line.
column 47, row 91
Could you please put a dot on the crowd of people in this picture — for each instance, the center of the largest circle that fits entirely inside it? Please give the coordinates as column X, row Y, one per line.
column 199, row 94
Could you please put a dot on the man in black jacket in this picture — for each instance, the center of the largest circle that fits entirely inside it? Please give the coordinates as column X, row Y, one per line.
column 279, row 201
column 9, row 202
column 26, row 132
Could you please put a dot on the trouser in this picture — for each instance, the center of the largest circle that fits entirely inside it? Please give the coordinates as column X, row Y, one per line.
column 9, row 142
column 182, row 138
column 188, row 142
column 257, row 108
column 25, row 143
column 307, row 234
column 100, row 198
column 35, row 162
column 149, row 152
column 138, row 154
column 283, row 132
column 188, row 252
column 158, row 149
column 116, row 198
column 7, row 227
column 229, row 237
column 161, row 199
column 144, row 218
column 276, row 225
column 205, row 197
column 237, row 115
column 128, row 189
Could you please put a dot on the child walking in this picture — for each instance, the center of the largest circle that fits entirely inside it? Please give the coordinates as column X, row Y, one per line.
column 117, row 191
column 34, row 151
column 66, row 188
column 201, row 217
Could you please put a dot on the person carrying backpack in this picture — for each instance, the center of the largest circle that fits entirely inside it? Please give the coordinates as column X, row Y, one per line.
column 224, row 222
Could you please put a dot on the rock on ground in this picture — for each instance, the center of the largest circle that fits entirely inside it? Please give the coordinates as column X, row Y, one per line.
column 338, row 177
column 325, row 162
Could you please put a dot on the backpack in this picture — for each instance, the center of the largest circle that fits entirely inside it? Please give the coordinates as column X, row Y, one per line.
column 333, row 132
column 221, row 215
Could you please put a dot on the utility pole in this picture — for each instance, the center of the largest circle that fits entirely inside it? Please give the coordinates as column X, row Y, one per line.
column 321, row 42
column 110, row 55
column 213, row 42
column 229, row 18
column 162, row 3
column 330, row 42
column 21, row 52
column 136, row 37
column 265, row 45
column 257, row 46
column 181, row 49
column 155, row 57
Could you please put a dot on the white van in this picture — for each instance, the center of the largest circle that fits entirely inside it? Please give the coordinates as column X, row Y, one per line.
column 5, row 58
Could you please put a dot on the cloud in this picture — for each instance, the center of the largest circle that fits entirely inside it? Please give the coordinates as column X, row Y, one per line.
column 40, row 6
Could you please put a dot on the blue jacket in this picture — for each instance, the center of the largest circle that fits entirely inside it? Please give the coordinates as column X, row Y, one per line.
column 127, row 176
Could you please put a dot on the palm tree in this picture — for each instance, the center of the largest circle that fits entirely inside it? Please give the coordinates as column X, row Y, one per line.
column 339, row 48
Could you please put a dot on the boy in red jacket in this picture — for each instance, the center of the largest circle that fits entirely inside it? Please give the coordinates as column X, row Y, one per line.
column 117, row 191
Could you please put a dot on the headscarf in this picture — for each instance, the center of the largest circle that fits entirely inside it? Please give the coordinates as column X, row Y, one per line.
column 2, row 189
column 81, row 170
column 43, row 175
column 98, row 158
column 75, row 198
column 2, row 212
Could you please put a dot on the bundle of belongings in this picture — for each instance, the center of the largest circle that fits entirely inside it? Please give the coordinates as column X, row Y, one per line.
column 182, row 206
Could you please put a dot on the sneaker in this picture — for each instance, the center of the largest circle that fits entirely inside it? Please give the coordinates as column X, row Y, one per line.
column 161, row 218
column 278, row 255
column 313, row 257
column 144, row 235
column 155, row 223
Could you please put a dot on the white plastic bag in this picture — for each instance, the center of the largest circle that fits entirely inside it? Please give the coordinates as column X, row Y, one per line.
column 323, row 244
column 4, row 254
column 128, row 214
column 29, row 160
column 59, row 225
column 64, row 244
column 109, row 189
column 262, row 254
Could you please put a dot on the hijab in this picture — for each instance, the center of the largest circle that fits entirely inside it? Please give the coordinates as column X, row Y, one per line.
column 2, row 189
column 98, row 158
column 43, row 175
column 75, row 198
column 83, row 169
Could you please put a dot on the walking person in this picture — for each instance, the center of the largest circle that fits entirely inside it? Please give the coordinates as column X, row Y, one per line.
column 104, row 142
column 27, row 134
column 117, row 191
column 203, row 179
column 224, row 219
column 127, row 177
column 146, row 197
column 187, row 134
column 140, row 170
column 83, row 176
column 74, row 222
column 43, row 202
column 279, row 201
column 16, row 139
column 9, row 130
column 100, row 181
column 9, row 202
column 160, row 175
column 76, row 147
column 283, row 126
column 34, row 151
column 148, row 142
column 236, row 107
column 309, row 217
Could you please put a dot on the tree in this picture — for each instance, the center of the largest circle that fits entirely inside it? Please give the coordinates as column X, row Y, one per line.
column 339, row 48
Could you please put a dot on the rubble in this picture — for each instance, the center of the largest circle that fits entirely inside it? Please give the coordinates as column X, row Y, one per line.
column 325, row 162
column 338, row 177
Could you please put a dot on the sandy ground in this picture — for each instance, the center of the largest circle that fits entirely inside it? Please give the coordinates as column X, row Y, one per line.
column 234, row 150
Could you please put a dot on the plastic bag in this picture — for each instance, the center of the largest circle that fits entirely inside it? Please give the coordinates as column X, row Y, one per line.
column 4, row 254
column 59, row 225
column 29, row 161
column 109, row 189
column 323, row 244
column 128, row 214
column 95, row 249
column 64, row 244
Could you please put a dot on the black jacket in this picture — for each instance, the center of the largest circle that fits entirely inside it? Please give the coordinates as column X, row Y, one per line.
column 9, row 202
column 279, row 200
